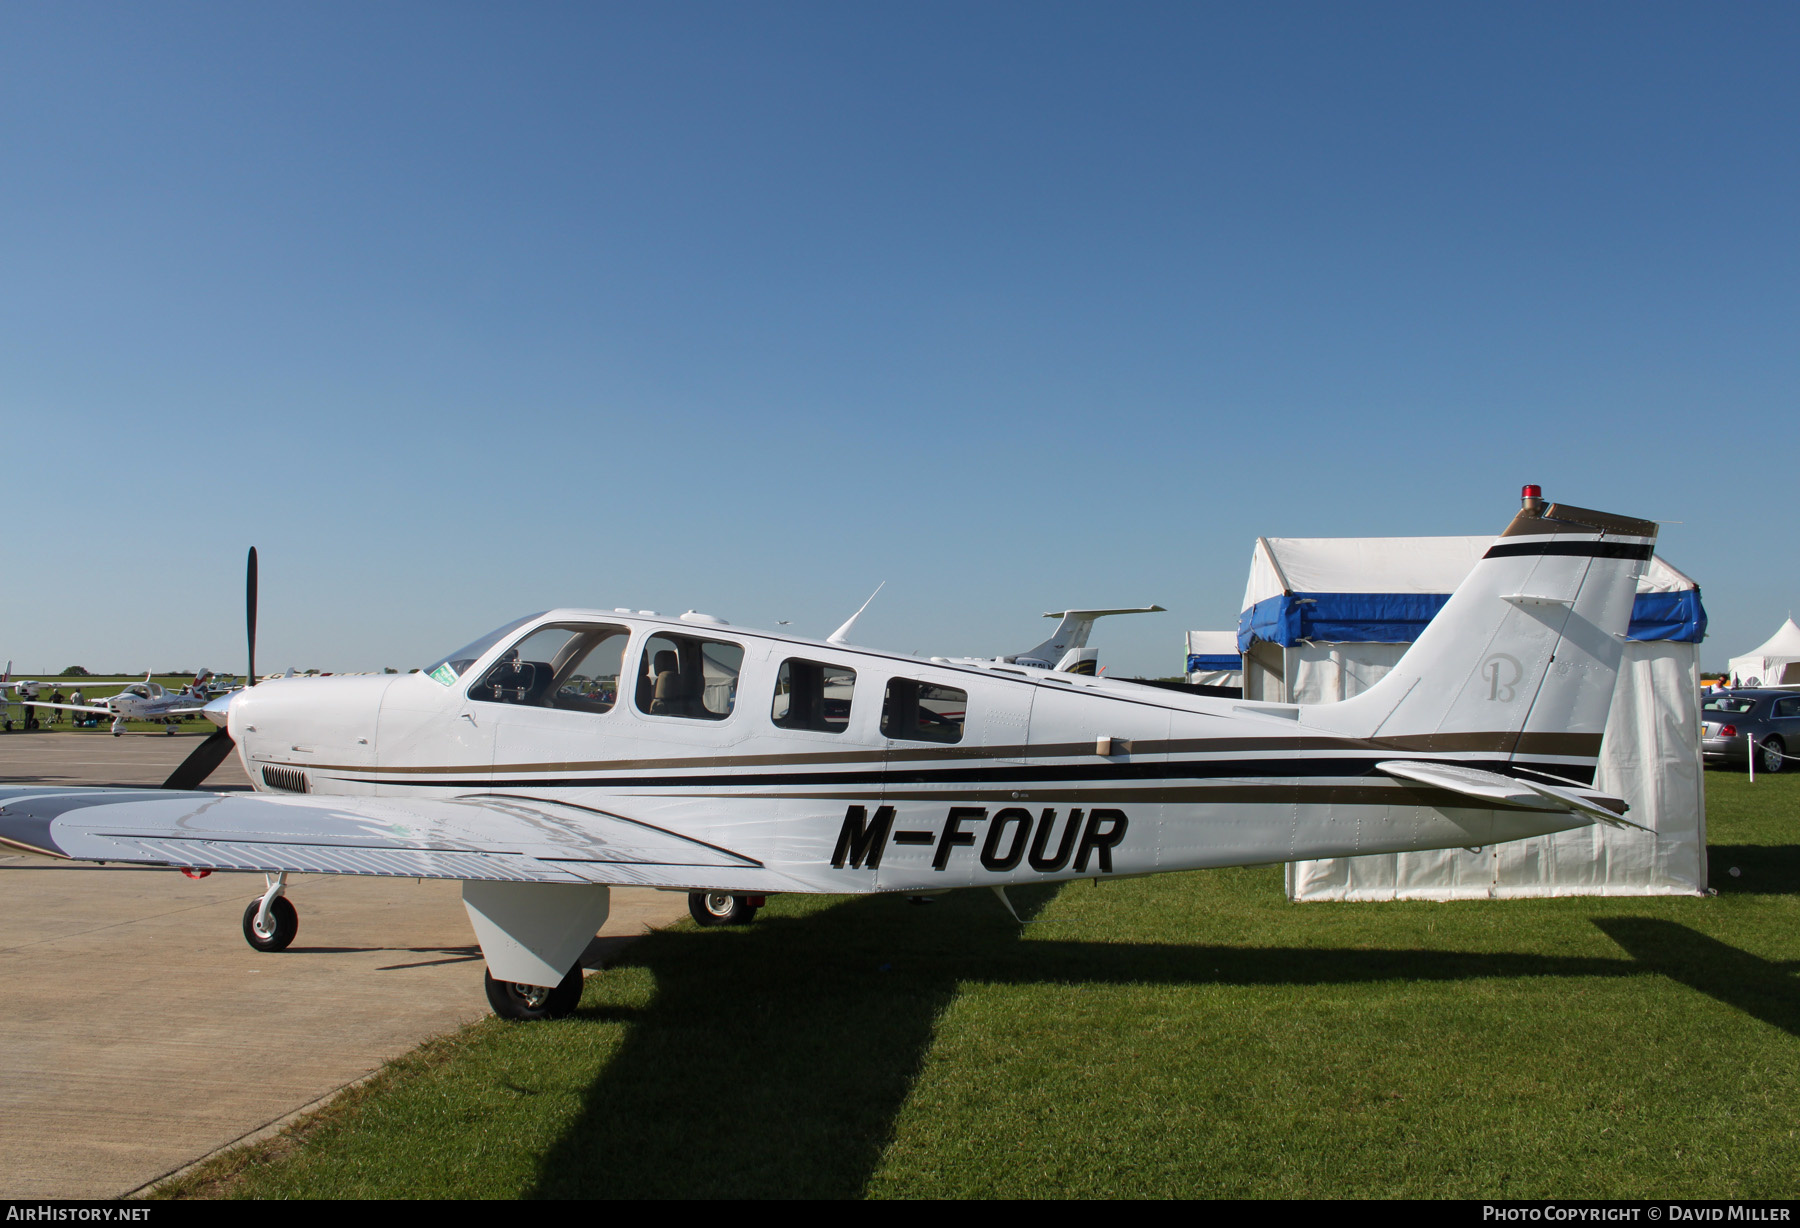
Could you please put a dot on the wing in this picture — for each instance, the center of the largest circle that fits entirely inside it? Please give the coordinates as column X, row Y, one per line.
column 499, row 838
column 1512, row 790
column 44, row 703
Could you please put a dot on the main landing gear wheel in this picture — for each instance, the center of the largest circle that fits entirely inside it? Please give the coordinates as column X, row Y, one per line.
column 284, row 923
column 1769, row 754
column 512, row 1000
column 720, row 908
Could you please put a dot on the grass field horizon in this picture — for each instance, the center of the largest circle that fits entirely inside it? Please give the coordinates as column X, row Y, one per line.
column 1183, row 1035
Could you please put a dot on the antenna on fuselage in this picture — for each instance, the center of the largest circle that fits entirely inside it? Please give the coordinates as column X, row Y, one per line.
column 838, row 636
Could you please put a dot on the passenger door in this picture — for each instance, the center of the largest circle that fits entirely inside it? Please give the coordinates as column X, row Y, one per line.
column 1784, row 720
column 559, row 728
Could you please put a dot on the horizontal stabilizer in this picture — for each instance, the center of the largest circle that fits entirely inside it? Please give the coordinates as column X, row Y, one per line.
column 1510, row 790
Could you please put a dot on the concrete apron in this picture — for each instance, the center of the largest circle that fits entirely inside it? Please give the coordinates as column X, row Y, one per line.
column 139, row 1032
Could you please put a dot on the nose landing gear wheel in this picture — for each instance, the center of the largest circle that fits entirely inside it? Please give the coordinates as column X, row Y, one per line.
column 720, row 908
column 512, row 1000
column 284, row 923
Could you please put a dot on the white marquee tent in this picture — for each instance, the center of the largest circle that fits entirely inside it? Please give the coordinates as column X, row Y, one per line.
column 1775, row 663
column 1325, row 618
column 1212, row 658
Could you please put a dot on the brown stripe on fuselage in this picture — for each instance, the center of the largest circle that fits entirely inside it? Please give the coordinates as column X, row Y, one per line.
column 1564, row 745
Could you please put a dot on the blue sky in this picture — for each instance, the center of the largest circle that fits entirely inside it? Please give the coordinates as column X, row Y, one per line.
column 461, row 311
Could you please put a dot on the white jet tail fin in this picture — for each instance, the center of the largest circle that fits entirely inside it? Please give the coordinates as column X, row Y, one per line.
column 1064, row 649
column 1522, row 660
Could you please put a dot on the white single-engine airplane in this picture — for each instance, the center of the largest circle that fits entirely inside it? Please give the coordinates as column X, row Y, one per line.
column 578, row 750
column 142, row 701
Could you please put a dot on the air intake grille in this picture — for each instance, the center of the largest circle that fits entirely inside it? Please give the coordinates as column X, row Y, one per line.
column 288, row 780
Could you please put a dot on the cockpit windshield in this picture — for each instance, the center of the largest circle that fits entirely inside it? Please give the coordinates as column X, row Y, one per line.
column 448, row 670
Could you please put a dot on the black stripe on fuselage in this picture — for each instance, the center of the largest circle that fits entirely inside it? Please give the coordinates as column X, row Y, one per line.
column 1595, row 550
column 1027, row 773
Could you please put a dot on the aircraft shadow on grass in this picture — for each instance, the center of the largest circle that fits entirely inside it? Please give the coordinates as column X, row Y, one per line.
column 773, row 1062
column 1763, row 869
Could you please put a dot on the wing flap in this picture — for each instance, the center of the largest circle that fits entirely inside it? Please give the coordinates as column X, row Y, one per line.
column 317, row 859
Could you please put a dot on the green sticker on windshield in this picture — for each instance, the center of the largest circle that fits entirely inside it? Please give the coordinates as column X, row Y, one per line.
column 445, row 674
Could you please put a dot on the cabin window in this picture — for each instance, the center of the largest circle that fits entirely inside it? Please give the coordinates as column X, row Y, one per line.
column 590, row 683
column 572, row 667
column 921, row 712
column 813, row 695
column 683, row 675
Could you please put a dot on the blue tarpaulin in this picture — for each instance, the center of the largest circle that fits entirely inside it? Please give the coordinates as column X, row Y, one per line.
column 1398, row 618
column 1208, row 662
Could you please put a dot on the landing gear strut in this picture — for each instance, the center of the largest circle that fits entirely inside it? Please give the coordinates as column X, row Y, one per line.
column 723, row 908
column 270, row 921
column 512, row 1000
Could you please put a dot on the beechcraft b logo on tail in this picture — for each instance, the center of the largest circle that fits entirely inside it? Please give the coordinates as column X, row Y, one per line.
column 1502, row 673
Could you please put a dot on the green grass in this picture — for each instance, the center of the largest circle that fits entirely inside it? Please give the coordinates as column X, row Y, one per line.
column 1189, row 1035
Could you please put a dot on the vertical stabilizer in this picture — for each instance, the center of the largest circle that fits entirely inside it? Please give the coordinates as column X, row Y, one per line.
column 1070, row 636
column 1524, row 656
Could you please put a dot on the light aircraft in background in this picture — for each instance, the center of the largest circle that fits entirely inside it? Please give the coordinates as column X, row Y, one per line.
column 139, row 701
column 578, row 750
column 1066, row 651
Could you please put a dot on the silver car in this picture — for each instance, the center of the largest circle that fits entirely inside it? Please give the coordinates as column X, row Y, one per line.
column 1731, row 720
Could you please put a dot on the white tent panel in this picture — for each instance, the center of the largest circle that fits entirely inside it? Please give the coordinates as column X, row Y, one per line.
column 1776, row 662
column 1349, row 564
column 1650, row 755
column 1217, row 645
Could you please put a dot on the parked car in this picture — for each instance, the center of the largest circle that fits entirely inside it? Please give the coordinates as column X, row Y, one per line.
column 1731, row 720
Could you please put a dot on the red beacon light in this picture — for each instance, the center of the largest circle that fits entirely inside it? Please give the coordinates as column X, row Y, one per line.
column 1532, row 492
column 1532, row 497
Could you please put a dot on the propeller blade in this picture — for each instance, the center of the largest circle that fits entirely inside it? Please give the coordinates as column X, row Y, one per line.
column 201, row 761
column 250, row 612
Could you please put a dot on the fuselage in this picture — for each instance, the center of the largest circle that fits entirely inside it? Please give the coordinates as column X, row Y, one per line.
column 858, row 770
